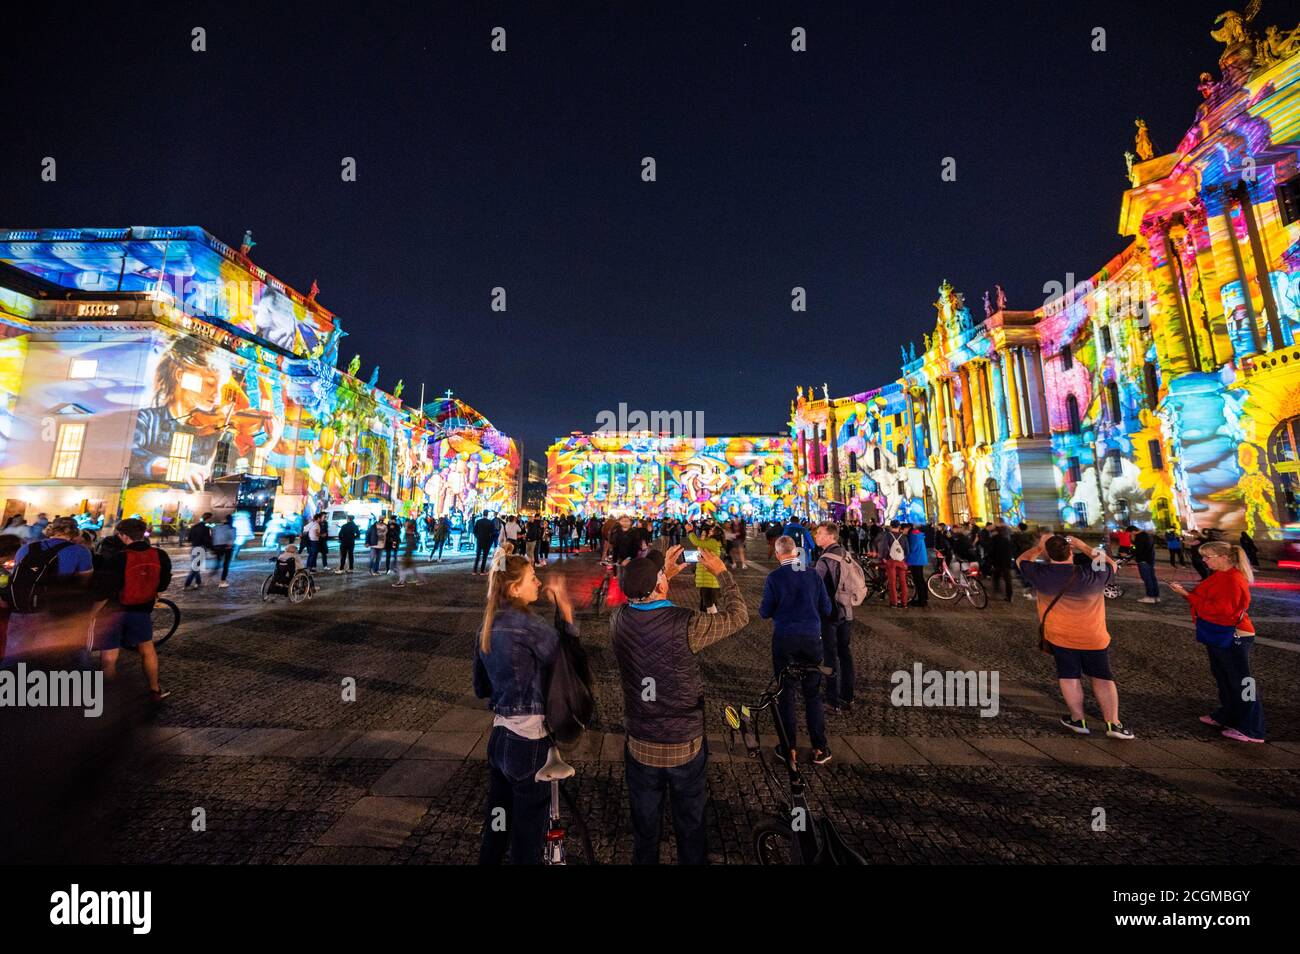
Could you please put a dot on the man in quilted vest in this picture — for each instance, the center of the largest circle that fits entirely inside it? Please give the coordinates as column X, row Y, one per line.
column 655, row 643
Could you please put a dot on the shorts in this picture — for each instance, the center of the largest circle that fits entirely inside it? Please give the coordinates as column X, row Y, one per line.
column 1071, row 663
column 128, row 630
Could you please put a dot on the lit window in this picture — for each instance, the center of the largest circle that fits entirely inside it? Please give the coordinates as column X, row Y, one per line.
column 67, row 450
column 178, row 457
column 191, row 382
column 83, row 368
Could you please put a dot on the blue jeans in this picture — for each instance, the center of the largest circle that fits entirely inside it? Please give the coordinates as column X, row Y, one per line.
column 646, row 788
column 837, row 654
column 518, row 808
column 1231, row 668
column 1148, row 574
column 375, row 554
column 801, row 649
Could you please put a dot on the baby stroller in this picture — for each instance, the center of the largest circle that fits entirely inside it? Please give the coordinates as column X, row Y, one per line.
column 289, row 579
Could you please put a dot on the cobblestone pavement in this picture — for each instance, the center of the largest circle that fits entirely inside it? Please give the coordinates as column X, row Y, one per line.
column 258, row 737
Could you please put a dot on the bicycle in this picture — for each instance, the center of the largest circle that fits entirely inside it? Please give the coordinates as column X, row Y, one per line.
column 943, row 585
column 601, row 593
column 800, row 837
column 874, row 571
column 166, row 619
column 553, row 851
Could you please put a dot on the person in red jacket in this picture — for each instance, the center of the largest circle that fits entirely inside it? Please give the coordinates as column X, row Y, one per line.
column 1219, row 607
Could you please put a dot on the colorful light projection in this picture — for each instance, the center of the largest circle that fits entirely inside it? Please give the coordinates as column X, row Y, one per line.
column 185, row 267
column 472, row 466
column 652, row 475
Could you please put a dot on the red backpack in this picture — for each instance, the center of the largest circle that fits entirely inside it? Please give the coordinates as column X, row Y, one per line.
column 140, row 579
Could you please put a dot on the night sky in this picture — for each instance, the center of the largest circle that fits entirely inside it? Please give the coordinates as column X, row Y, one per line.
column 523, row 170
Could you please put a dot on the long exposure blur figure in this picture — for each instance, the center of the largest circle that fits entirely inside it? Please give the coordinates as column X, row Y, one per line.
column 48, row 593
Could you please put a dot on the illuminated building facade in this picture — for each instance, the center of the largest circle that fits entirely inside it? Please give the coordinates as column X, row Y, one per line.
column 656, row 475
column 143, row 370
column 1163, row 391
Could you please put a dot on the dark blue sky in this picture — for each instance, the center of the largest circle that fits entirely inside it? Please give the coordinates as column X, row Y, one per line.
column 522, row 170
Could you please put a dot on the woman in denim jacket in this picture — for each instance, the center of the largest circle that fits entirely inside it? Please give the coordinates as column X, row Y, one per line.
column 515, row 651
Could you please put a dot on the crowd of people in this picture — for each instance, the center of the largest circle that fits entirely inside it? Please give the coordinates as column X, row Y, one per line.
column 64, row 593
column 810, row 597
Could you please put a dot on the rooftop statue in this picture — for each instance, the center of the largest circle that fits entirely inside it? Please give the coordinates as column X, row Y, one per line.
column 999, row 298
column 354, row 365
column 1236, row 29
column 1144, row 148
column 374, row 378
column 1276, row 45
column 988, row 306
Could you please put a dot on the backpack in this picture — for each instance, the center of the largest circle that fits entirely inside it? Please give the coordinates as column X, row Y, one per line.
column 140, row 577
column 852, row 587
column 28, row 584
column 896, row 549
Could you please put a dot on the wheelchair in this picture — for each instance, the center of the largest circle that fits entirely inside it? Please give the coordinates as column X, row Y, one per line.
column 288, row 580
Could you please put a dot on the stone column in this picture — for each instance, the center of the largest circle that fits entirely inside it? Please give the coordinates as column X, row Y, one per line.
column 1172, row 322
column 1009, row 379
column 1223, row 220
column 1262, row 274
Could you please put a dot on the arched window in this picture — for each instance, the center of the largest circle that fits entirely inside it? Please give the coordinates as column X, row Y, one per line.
column 931, row 506
column 1072, row 414
column 876, row 456
column 853, row 461
column 1284, row 449
column 992, row 500
column 1067, row 358
column 1122, row 514
column 1116, row 409
column 1152, row 380
column 957, row 501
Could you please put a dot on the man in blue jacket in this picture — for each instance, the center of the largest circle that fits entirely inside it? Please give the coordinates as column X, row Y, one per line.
column 796, row 601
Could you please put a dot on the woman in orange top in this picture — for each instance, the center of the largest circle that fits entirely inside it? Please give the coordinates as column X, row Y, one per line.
column 1219, row 605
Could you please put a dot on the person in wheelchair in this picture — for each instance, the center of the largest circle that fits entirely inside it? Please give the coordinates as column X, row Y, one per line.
column 288, row 565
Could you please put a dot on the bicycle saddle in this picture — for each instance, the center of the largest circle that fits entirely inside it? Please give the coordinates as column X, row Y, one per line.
column 555, row 768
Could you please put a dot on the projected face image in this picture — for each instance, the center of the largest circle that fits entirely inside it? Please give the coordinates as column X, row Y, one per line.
column 274, row 319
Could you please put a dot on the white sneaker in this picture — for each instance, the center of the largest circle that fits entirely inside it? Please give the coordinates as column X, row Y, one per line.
column 1149, row 599
column 222, row 585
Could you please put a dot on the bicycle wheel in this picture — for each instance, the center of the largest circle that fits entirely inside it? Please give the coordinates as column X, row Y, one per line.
column 942, row 587
column 266, row 587
column 773, row 841
column 598, row 597
column 166, row 617
column 976, row 594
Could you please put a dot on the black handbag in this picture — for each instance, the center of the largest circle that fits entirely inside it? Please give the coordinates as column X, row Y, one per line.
column 568, row 697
